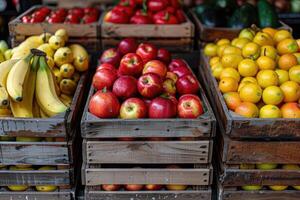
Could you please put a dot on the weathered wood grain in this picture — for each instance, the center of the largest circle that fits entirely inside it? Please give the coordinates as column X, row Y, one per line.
column 260, row 195
column 82, row 3
column 98, row 176
column 60, row 195
column 34, row 153
column 35, row 177
column 143, row 152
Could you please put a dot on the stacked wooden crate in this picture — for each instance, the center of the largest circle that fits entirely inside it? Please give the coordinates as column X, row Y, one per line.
column 243, row 143
column 121, row 152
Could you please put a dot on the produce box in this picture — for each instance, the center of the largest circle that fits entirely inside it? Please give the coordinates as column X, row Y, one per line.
column 84, row 34
column 82, row 3
column 245, row 128
column 33, row 195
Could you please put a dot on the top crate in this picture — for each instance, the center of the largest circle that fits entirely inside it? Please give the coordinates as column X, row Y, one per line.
column 238, row 127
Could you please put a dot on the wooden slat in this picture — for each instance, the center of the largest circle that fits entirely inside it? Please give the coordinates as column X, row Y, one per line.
column 36, row 195
column 35, row 177
column 150, row 195
column 261, row 195
column 109, row 30
column 34, row 153
column 148, row 152
column 122, row 176
column 241, row 177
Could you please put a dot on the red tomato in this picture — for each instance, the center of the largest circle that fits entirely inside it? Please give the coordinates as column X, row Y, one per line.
column 117, row 17
column 127, row 9
column 79, row 12
column 164, row 17
column 61, row 12
column 45, row 10
column 26, row 19
column 72, row 19
column 130, row 3
column 141, row 19
column 180, row 16
column 87, row 19
column 171, row 10
column 143, row 12
column 175, row 3
column 156, row 5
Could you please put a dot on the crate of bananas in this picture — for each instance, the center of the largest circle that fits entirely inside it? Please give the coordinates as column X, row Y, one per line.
column 41, row 85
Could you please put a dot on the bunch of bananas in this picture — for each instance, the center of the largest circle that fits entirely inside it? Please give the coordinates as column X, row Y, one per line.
column 41, row 77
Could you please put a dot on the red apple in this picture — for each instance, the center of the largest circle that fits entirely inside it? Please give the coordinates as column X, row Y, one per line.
column 111, row 187
column 125, row 87
column 147, row 52
column 161, row 107
column 147, row 102
column 132, row 187
column 164, row 55
column 179, row 67
column 133, row 108
column 111, row 56
column 104, row 104
column 150, row 85
column 189, row 106
column 127, row 45
column 106, row 66
column 173, row 76
column 131, row 64
column 156, row 67
column 169, row 86
column 104, row 78
column 153, row 187
column 187, row 84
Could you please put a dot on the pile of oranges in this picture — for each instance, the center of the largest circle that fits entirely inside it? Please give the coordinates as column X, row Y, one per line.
column 258, row 73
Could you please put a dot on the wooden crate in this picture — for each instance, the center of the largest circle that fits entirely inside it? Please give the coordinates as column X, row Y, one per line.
column 95, row 175
column 178, row 37
column 85, row 34
column 199, row 193
column 211, row 34
column 83, row 3
column 238, row 127
column 147, row 152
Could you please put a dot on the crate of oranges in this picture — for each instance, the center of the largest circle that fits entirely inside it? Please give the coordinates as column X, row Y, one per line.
column 254, row 82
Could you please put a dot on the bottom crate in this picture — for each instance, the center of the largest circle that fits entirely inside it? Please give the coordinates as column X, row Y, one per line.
column 193, row 193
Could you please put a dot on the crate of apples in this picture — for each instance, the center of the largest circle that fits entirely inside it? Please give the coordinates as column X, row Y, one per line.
column 258, row 73
column 143, row 81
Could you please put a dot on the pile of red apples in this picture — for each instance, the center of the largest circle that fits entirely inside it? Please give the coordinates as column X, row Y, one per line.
column 142, row 81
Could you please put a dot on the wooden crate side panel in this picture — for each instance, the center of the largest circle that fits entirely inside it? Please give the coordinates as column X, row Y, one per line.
column 95, row 177
column 239, row 152
column 35, row 177
column 148, row 152
column 241, row 177
column 144, row 195
column 261, row 195
column 39, row 153
column 35, row 195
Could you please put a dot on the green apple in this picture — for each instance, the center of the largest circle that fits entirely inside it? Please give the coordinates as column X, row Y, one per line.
column 46, row 188
column 247, row 166
column 7, row 138
column 291, row 167
column 278, row 187
column 28, row 139
column 47, row 168
column 3, row 46
column 266, row 166
column 8, row 54
column 251, row 187
column 18, row 188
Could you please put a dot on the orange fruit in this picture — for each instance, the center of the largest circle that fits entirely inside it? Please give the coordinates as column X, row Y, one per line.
column 223, row 41
column 298, row 42
column 231, row 60
column 210, row 49
column 281, row 35
column 294, row 74
column 267, row 78
column 232, row 100
column 287, row 46
column 270, row 31
column 249, row 79
column 269, row 51
column 265, row 62
column 283, row 76
column 297, row 56
column 290, row 110
column 251, row 50
column 270, row 111
column 247, row 67
column 228, row 84
column 214, row 60
column 263, row 39
column 247, row 109
column 251, row 92
column 230, row 72
column 241, row 42
column 232, row 50
column 272, row 95
column 287, row 61
column 217, row 70
column 216, row 65
column 221, row 49
column 291, row 91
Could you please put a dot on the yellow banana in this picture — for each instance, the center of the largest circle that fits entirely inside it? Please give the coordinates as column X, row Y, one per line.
column 24, row 48
column 81, row 57
column 5, row 112
column 4, row 98
column 67, row 100
column 25, row 107
column 5, row 68
column 16, row 78
column 45, row 91
column 36, row 109
column 43, row 114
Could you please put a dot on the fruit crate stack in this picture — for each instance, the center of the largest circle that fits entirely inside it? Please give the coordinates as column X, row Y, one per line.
column 83, row 3
column 82, row 24
column 162, row 23
column 256, row 158
column 145, row 158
